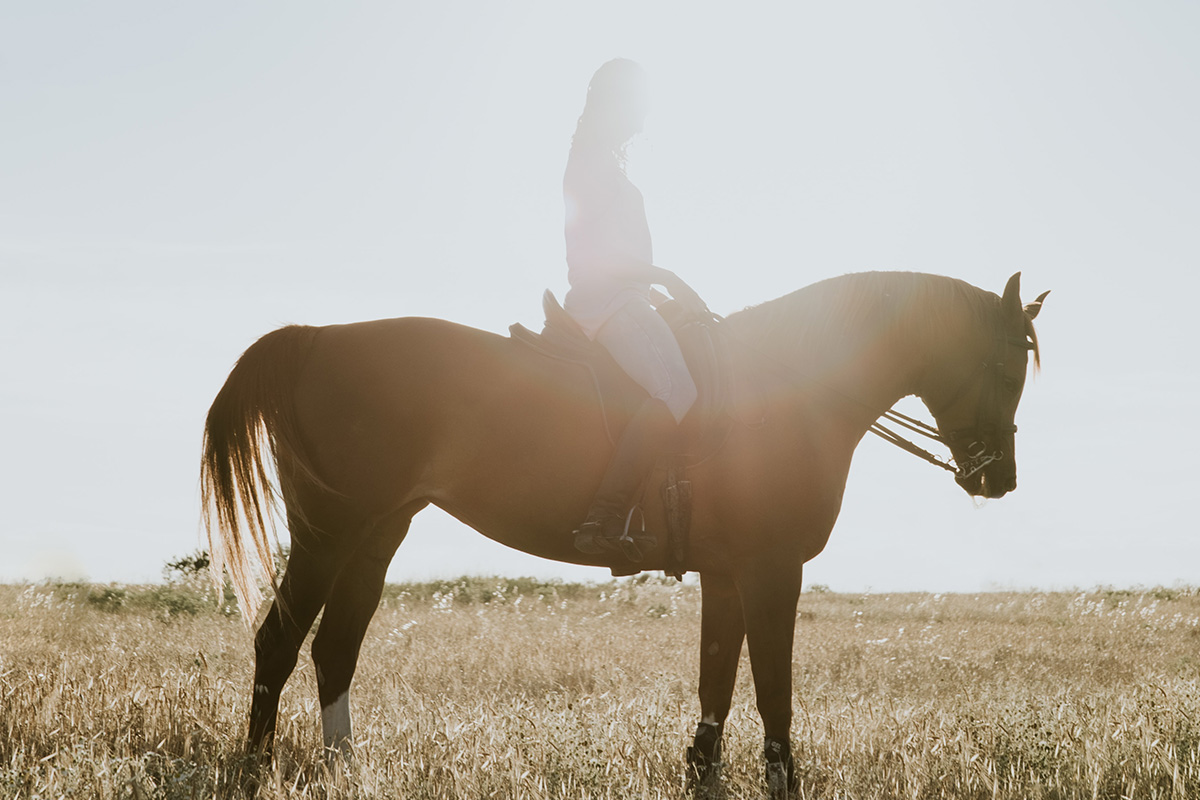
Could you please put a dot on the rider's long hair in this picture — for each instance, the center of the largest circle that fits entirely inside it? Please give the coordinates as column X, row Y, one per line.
column 615, row 97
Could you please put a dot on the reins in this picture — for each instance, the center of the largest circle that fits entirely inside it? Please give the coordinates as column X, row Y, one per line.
column 915, row 425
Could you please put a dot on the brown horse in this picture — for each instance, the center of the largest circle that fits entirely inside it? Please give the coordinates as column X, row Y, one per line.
column 366, row 424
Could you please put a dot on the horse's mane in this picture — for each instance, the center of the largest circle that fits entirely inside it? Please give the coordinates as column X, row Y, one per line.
column 823, row 317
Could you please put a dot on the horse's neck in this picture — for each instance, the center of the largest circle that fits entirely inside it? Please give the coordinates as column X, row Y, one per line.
column 871, row 382
column 858, row 370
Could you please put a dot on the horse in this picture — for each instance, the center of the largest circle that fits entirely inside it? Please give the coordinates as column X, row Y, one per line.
column 358, row 427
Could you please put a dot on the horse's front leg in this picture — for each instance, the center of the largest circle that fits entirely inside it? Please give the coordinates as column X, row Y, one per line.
column 722, row 631
column 769, row 592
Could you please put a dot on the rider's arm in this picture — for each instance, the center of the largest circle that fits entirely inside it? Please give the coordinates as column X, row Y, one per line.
column 685, row 295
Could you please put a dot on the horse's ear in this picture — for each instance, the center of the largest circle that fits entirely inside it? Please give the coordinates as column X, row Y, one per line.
column 1032, row 309
column 1010, row 303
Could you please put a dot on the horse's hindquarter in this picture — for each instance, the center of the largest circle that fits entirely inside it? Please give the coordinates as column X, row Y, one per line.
column 508, row 441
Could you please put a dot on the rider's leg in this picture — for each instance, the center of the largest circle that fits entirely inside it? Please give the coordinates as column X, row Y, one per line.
column 642, row 343
column 644, row 438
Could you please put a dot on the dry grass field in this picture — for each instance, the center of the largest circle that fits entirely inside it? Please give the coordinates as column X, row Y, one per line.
column 517, row 689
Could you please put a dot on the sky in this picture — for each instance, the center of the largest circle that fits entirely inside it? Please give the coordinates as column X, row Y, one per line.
column 177, row 180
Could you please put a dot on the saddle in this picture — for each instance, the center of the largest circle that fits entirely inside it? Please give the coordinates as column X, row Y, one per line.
column 704, row 350
column 702, row 431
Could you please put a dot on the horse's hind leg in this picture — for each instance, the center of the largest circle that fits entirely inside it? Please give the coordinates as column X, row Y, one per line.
column 316, row 557
column 352, row 603
column 722, row 630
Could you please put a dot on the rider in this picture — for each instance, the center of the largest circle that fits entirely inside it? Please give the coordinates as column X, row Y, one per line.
column 610, row 269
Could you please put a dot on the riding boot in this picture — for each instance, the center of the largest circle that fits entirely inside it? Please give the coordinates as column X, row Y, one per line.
column 644, row 439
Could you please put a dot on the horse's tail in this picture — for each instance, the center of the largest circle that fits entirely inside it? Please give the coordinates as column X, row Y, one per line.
column 251, row 426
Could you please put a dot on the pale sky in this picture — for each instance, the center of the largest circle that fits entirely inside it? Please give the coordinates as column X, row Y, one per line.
column 178, row 179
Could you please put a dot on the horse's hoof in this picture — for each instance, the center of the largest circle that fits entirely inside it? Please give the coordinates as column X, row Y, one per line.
column 704, row 762
column 777, row 782
column 781, row 770
column 704, row 777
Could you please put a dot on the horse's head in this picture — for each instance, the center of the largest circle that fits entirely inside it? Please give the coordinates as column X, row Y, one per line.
column 977, row 401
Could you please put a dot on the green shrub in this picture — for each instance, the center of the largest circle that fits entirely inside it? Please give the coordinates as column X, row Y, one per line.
column 196, row 563
column 473, row 589
column 170, row 601
column 108, row 598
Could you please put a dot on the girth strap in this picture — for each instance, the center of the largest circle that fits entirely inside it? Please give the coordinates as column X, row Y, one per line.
column 677, row 505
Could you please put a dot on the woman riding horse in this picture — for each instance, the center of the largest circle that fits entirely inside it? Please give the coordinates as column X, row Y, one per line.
column 610, row 270
column 359, row 427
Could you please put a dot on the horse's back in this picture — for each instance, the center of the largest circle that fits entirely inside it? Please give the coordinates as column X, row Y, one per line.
column 398, row 408
column 405, row 362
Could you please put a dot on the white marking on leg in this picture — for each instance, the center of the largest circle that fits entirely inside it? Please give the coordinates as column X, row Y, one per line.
column 335, row 723
column 709, row 719
column 261, row 688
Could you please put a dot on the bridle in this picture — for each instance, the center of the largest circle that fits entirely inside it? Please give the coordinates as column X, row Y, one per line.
column 978, row 455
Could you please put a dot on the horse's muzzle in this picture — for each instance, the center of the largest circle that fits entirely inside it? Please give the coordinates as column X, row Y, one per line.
column 982, row 484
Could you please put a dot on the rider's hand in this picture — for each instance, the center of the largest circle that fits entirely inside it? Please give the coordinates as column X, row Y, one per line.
column 687, row 298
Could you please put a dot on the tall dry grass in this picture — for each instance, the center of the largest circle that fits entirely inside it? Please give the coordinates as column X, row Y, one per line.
column 511, row 689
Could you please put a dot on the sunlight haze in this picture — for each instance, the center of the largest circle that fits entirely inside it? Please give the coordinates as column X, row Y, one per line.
column 178, row 180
